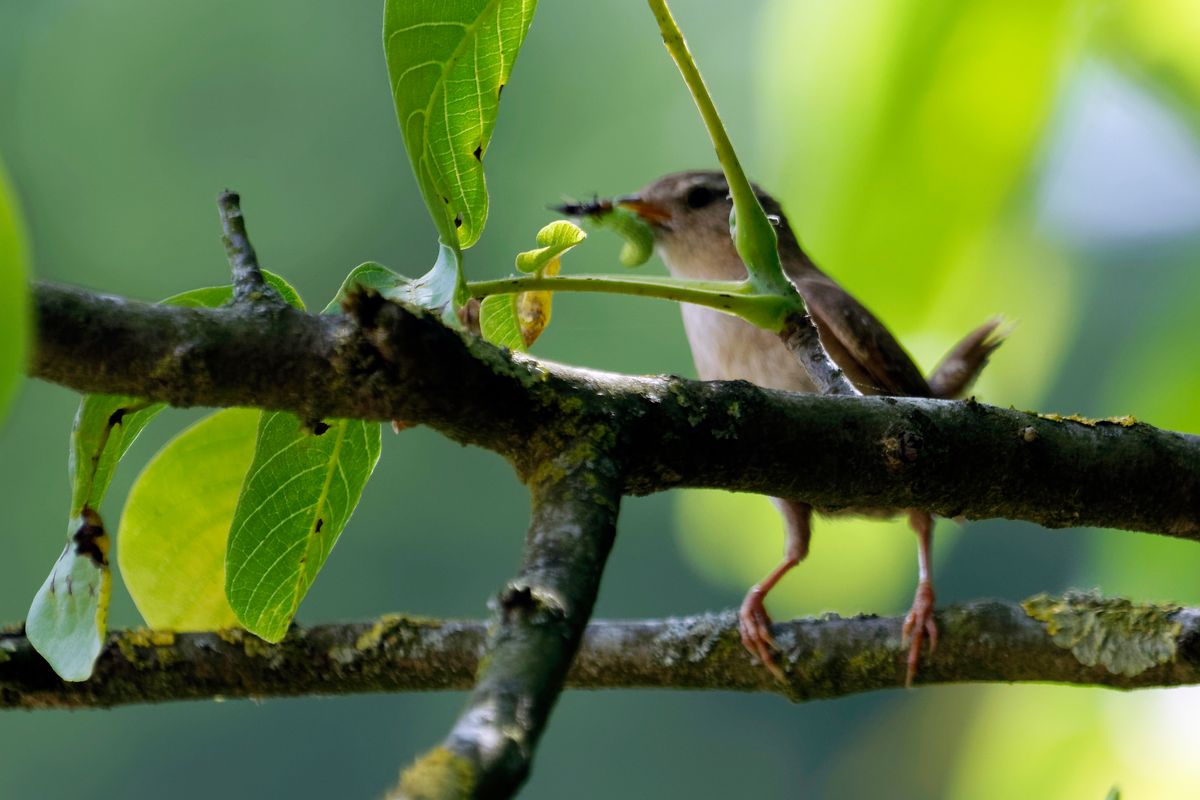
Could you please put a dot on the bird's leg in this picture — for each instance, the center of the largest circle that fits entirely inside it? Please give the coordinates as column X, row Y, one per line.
column 919, row 622
column 753, row 620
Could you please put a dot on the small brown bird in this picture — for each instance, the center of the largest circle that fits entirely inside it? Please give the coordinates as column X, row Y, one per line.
column 689, row 214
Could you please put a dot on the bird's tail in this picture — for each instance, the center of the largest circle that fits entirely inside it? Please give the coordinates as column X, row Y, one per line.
column 962, row 365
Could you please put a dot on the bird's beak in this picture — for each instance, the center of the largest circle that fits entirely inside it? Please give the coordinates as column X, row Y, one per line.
column 650, row 212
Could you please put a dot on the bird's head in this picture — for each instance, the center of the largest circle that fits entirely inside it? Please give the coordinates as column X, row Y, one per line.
column 689, row 215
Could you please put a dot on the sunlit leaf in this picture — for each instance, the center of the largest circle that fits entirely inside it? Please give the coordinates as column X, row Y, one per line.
column 176, row 523
column 68, row 618
column 299, row 493
column 448, row 61
column 105, row 427
column 498, row 321
column 555, row 239
column 14, row 296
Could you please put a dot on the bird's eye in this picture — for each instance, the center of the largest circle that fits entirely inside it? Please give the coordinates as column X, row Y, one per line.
column 699, row 196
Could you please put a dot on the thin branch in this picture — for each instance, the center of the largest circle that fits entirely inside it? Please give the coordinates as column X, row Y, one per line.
column 385, row 362
column 539, row 620
column 249, row 286
column 824, row 658
column 734, row 297
column 800, row 336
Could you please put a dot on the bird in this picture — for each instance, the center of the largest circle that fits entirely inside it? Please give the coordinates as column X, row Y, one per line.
column 689, row 214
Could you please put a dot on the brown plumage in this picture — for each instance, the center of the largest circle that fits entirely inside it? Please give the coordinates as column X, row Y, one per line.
column 689, row 212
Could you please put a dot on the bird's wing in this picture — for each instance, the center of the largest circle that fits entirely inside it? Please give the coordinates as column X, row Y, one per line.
column 860, row 344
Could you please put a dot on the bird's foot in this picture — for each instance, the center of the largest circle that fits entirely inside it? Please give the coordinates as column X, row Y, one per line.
column 754, row 623
column 918, row 625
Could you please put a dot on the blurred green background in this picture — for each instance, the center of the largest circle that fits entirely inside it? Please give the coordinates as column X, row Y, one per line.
column 946, row 160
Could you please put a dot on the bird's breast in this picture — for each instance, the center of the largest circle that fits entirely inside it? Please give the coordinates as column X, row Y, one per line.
column 728, row 348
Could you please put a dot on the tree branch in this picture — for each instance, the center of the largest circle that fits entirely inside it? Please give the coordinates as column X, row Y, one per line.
column 381, row 361
column 539, row 620
column 249, row 285
column 824, row 658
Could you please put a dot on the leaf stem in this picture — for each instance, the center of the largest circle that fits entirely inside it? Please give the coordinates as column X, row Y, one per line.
column 740, row 298
column 755, row 238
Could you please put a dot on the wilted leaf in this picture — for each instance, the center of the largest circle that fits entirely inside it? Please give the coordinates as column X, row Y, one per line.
column 533, row 308
column 68, row 618
column 447, row 62
column 176, row 523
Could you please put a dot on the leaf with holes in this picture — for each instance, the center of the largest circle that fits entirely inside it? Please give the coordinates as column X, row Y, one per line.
column 447, row 62
column 176, row 522
column 299, row 493
column 67, row 625
column 14, row 297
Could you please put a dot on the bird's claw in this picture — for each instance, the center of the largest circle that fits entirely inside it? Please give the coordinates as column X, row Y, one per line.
column 918, row 625
column 754, row 624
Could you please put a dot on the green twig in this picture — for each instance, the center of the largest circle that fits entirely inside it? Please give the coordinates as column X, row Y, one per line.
column 740, row 298
column 755, row 238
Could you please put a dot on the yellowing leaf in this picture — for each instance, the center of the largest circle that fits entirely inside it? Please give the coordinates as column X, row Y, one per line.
column 176, row 523
column 533, row 308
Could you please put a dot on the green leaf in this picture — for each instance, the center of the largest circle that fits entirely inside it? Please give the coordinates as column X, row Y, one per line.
column 498, row 321
column 14, row 296
column 106, row 425
column 68, row 618
column 216, row 296
column 70, row 625
column 447, row 62
column 369, row 275
column 298, row 496
column 555, row 239
column 176, row 523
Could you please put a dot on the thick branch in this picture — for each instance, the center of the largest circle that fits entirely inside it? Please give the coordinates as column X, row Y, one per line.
column 824, row 658
column 384, row 362
column 539, row 622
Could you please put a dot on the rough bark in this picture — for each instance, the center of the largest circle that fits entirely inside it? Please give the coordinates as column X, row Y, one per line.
column 381, row 361
column 823, row 658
